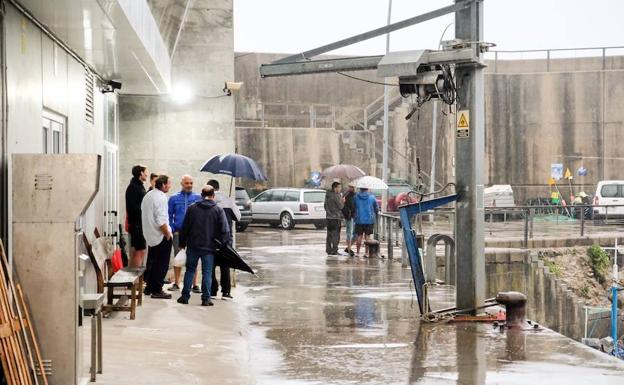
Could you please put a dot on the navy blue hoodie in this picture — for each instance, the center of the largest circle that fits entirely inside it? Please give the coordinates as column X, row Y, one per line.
column 204, row 221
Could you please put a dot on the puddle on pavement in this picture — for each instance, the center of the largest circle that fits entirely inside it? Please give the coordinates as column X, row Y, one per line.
column 338, row 320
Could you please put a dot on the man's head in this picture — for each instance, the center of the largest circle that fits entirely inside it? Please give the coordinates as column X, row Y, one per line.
column 163, row 183
column 208, row 192
column 153, row 177
column 140, row 172
column 214, row 183
column 187, row 183
column 351, row 186
column 336, row 186
column 363, row 190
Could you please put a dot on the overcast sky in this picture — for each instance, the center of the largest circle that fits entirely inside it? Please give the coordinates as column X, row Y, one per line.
column 291, row 26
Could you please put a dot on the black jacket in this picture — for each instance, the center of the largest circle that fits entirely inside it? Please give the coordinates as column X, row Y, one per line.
column 134, row 196
column 348, row 211
column 203, row 222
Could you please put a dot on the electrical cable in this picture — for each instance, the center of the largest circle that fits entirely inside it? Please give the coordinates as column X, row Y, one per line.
column 366, row 80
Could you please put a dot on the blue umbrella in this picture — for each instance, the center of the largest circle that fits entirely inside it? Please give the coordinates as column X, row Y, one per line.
column 234, row 165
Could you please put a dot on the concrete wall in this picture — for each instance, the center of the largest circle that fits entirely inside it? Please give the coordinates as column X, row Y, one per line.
column 570, row 115
column 177, row 139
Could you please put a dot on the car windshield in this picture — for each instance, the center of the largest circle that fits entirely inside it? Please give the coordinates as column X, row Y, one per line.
column 611, row 191
column 314, row 196
column 242, row 194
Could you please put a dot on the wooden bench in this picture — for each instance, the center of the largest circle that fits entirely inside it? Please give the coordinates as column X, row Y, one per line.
column 129, row 278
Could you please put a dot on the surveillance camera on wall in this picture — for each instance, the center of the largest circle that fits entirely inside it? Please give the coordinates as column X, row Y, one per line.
column 232, row 87
column 110, row 86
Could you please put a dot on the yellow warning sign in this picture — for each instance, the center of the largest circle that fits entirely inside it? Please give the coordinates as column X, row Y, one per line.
column 463, row 123
column 568, row 174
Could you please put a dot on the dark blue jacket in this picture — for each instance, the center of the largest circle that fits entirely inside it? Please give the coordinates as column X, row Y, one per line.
column 178, row 204
column 204, row 221
column 365, row 208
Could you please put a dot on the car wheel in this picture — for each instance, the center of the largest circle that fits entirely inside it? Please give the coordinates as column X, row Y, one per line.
column 241, row 227
column 287, row 221
column 320, row 226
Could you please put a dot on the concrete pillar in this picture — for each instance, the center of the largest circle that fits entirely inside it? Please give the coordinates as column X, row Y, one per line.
column 470, row 155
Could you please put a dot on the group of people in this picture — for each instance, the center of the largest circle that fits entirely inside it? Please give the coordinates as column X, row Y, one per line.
column 157, row 224
column 359, row 211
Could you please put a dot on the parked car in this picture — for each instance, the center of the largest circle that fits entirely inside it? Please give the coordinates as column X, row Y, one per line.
column 287, row 207
column 609, row 192
column 244, row 205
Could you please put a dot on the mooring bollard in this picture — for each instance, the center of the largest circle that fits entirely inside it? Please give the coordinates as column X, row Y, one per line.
column 515, row 307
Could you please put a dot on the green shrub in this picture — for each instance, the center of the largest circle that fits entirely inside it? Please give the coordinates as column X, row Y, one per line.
column 599, row 262
column 585, row 291
column 553, row 268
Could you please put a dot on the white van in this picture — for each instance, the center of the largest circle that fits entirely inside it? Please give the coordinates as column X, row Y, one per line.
column 609, row 192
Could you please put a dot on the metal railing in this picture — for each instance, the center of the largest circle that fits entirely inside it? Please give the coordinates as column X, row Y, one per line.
column 595, row 58
column 517, row 226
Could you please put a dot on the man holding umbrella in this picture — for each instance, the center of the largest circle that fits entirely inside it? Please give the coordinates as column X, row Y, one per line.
column 203, row 223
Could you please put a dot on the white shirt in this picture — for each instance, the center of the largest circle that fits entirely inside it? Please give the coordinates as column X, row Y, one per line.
column 225, row 202
column 154, row 213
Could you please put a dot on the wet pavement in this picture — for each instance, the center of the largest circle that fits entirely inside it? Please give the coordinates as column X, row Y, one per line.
column 315, row 319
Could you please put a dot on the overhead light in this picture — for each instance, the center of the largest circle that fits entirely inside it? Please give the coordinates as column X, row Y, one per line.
column 181, row 94
column 110, row 86
column 232, row 87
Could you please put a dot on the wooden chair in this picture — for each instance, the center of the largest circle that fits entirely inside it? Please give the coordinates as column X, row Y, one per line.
column 129, row 278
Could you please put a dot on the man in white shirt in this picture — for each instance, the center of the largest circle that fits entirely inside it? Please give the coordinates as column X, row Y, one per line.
column 158, row 236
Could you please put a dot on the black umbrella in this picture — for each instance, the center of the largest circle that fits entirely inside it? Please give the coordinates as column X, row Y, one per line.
column 226, row 256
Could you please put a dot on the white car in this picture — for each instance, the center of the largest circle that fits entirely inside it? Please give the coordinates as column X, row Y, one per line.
column 286, row 207
column 609, row 192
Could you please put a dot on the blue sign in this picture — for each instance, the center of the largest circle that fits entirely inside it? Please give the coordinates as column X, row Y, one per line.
column 582, row 171
column 315, row 179
column 556, row 171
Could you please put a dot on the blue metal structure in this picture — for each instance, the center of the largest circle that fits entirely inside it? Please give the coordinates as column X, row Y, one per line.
column 406, row 212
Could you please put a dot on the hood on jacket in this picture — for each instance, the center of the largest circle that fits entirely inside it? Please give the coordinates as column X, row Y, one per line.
column 362, row 195
column 206, row 204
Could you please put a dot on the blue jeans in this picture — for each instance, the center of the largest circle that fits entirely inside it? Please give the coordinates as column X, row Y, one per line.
column 207, row 262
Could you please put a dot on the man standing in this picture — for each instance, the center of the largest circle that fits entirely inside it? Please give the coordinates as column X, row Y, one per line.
column 203, row 223
column 134, row 196
column 178, row 204
column 365, row 213
column 153, row 177
column 155, row 219
column 333, row 212
column 348, row 211
column 232, row 213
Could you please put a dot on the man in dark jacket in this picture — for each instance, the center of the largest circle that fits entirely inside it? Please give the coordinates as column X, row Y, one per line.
column 134, row 196
column 333, row 212
column 348, row 211
column 204, row 221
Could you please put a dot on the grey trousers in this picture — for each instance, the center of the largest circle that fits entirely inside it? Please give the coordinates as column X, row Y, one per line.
column 333, row 236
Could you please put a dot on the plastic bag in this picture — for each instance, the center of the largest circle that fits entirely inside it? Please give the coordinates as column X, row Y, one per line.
column 180, row 258
column 116, row 261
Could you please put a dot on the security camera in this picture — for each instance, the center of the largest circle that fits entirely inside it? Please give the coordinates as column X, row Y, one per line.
column 110, row 86
column 232, row 87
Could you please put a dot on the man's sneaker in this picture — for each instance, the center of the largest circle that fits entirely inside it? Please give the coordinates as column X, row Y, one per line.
column 166, row 281
column 161, row 295
column 351, row 253
column 228, row 295
column 147, row 292
column 207, row 302
column 174, row 287
column 346, row 250
column 196, row 289
column 183, row 301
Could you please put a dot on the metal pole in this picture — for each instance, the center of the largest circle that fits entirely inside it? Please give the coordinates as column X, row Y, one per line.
column 386, row 129
column 470, row 153
column 614, row 302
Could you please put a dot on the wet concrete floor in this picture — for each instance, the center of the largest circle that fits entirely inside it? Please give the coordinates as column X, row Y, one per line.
column 315, row 319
